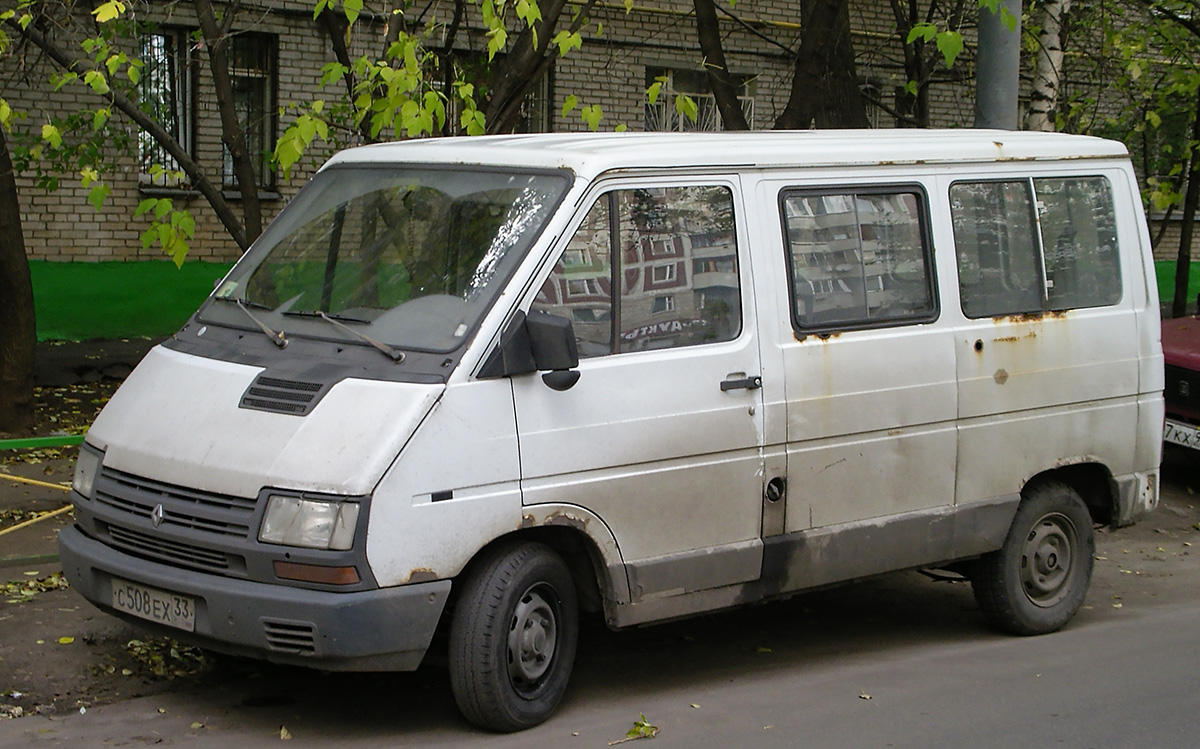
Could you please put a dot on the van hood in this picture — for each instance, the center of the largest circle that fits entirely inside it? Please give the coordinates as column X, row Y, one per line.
column 176, row 419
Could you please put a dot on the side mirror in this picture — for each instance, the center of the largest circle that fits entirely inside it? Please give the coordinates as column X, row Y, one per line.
column 538, row 341
column 554, row 349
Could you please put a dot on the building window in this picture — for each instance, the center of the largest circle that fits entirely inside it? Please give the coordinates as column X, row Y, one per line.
column 536, row 107
column 167, row 89
column 661, row 115
column 252, row 71
column 663, row 273
column 663, row 304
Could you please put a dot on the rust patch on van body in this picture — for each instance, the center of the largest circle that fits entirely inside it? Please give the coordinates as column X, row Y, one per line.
column 1030, row 317
column 555, row 518
column 421, row 575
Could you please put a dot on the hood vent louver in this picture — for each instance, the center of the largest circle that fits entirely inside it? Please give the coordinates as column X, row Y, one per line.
column 283, row 396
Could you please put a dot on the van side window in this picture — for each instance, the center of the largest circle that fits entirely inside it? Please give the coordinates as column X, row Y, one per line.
column 673, row 256
column 857, row 258
column 1012, row 260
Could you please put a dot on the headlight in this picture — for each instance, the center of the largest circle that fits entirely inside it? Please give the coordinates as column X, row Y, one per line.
column 87, row 465
column 316, row 524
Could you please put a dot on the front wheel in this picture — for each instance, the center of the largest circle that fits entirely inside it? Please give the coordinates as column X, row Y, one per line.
column 512, row 638
column 1037, row 581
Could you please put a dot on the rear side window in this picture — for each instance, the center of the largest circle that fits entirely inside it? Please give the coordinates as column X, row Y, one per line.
column 857, row 258
column 1035, row 245
column 650, row 268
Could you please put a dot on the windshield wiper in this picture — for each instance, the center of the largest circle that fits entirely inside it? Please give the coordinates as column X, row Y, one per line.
column 336, row 321
column 277, row 338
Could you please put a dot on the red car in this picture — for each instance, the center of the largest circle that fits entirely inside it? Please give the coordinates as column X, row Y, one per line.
column 1181, row 356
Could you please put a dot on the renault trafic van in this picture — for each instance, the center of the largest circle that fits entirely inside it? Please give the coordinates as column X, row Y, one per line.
column 492, row 385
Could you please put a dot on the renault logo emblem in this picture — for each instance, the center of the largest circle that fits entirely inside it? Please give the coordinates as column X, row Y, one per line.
column 156, row 515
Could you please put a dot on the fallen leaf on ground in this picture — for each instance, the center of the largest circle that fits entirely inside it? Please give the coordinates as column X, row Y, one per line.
column 284, row 733
column 642, row 729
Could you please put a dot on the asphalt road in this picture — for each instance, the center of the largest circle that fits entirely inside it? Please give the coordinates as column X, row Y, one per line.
column 900, row 661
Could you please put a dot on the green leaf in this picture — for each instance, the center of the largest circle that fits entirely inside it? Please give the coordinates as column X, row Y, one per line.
column 567, row 41
column 569, row 104
column 653, row 92
column 333, row 72
column 97, row 194
column 51, row 135
column 100, row 118
column 163, row 208
column 911, row 88
column 473, row 122
column 109, row 10
column 353, row 8
column 686, row 106
column 97, row 81
column 592, row 116
column 924, row 31
column 497, row 38
column 950, row 44
column 145, row 205
column 5, row 113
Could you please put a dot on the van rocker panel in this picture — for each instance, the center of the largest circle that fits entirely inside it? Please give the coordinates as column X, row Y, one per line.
column 388, row 629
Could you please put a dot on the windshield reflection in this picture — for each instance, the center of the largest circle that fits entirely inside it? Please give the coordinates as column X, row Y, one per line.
column 416, row 253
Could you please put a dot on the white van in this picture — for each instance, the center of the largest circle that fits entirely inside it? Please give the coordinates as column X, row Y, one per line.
column 490, row 385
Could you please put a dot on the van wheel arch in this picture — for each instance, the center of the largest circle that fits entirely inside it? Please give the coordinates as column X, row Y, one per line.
column 1093, row 482
column 583, row 560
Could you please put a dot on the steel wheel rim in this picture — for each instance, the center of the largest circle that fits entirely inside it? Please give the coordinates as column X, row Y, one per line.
column 532, row 639
column 1047, row 558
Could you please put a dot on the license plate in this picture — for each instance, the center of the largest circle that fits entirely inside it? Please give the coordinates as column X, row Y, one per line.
column 155, row 605
column 1182, row 434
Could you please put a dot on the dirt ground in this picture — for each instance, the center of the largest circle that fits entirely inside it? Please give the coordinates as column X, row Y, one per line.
column 59, row 654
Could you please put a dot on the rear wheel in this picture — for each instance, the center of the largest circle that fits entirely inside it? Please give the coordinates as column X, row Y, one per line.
column 512, row 638
column 1037, row 581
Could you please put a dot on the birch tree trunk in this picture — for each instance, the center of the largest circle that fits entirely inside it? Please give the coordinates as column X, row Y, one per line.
column 1047, row 76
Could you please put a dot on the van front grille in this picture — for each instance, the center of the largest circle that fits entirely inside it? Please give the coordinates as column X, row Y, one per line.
column 174, row 506
column 277, row 395
column 171, row 552
column 290, row 637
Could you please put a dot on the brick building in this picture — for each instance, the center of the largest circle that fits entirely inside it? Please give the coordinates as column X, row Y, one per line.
column 276, row 58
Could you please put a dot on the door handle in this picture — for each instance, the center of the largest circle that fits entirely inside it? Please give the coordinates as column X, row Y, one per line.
column 745, row 383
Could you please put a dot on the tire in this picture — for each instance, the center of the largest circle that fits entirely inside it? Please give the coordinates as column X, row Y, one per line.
column 512, row 638
column 1037, row 581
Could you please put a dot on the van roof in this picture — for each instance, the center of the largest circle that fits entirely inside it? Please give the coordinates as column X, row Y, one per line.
column 589, row 154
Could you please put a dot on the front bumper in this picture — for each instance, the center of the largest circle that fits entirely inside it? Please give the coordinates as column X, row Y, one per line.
column 388, row 629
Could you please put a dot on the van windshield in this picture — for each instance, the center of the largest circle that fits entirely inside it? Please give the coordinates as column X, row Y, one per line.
column 410, row 256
